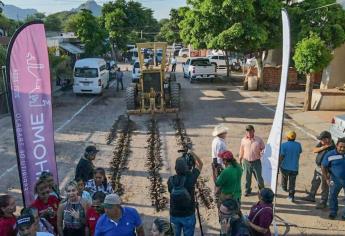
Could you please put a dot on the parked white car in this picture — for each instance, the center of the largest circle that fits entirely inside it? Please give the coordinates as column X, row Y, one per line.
column 136, row 72
column 184, row 52
column 198, row 68
column 90, row 76
column 218, row 60
column 337, row 128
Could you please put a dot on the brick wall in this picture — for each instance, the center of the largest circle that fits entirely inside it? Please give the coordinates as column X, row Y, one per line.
column 272, row 77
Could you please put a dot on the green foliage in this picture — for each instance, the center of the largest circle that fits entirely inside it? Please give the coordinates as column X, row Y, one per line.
column 3, row 53
column 169, row 30
column 59, row 65
column 124, row 22
column 311, row 55
column 327, row 22
column 36, row 16
column 8, row 25
column 52, row 23
column 232, row 25
column 88, row 30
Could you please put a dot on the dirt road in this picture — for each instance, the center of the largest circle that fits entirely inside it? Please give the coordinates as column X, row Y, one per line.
column 82, row 120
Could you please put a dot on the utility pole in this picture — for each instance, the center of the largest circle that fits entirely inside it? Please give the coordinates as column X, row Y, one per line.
column 141, row 34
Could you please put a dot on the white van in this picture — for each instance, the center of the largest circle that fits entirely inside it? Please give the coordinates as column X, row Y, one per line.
column 90, row 76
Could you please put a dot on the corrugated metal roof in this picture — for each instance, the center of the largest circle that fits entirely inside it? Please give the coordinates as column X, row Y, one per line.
column 71, row 48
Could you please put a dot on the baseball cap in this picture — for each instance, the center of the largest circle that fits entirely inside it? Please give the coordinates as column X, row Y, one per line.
column 110, row 200
column 324, row 134
column 91, row 149
column 249, row 127
column 25, row 220
column 227, row 155
column 267, row 195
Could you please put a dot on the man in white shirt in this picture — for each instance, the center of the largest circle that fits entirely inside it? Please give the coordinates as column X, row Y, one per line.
column 173, row 64
column 218, row 145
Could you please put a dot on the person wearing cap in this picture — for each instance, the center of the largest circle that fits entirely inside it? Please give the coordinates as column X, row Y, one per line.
column 218, row 146
column 229, row 181
column 333, row 169
column 325, row 145
column 250, row 153
column 290, row 152
column 85, row 167
column 118, row 220
column 26, row 226
column 261, row 214
column 231, row 219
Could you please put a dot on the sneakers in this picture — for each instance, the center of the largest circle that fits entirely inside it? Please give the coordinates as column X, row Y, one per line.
column 291, row 199
column 309, row 198
column 332, row 216
column 321, row 205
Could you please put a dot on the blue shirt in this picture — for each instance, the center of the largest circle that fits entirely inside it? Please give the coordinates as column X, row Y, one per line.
column 291, row 151
column 126, row 226
column 335, row 163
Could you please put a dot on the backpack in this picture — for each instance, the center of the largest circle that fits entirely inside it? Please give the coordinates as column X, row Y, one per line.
column 179, row 196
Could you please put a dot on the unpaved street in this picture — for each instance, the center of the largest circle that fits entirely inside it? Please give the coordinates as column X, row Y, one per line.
column 81, row 120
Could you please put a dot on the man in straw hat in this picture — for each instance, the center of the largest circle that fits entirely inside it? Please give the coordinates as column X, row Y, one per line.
column 250, row 154
column 289, row 163
column 218, row 145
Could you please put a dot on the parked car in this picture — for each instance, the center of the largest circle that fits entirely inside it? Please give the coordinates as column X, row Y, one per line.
column 337, row 128
column 136, row 72
column 184, row 52
column 90, row 76
column 198, row 68
column 218, row 60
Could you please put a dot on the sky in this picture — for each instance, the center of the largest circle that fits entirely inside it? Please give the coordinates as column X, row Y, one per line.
column 161, row 7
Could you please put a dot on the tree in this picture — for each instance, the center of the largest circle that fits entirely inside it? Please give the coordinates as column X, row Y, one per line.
column 36, row 16
column 232, row 26
column 326, row 22
column 126, row 21
column 1, row 7
column 169, row 28
column 311, row 55
column 52, row 23
column 88, row 30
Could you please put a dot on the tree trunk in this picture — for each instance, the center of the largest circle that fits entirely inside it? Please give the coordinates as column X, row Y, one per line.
column 260, row 67
column 113, row 53
column 308, row 92
column 227, row 63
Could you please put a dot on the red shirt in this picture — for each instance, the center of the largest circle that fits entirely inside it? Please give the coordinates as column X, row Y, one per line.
column 91, row 219
column 8, row 226
column 53, row 203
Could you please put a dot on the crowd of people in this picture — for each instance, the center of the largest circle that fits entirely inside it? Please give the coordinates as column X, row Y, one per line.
column 91, row 207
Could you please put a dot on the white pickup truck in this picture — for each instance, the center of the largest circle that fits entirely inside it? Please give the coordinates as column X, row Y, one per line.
column 197, row 68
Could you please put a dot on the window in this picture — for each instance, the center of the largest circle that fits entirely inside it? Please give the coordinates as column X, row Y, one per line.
column 136, row 65
column 215, row 57
column 104, row 67
column 201, row 62
column 221, row 57
column 86, row 72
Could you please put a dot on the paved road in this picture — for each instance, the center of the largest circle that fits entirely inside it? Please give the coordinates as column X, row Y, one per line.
column 87, row 119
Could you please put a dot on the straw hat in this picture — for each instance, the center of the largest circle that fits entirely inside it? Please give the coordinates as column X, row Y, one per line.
column 219, row 129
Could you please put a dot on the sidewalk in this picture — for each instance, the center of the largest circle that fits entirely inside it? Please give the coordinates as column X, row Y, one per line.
column 313, row 121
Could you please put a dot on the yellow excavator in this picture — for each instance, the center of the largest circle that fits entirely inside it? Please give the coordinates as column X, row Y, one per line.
column 156, row 91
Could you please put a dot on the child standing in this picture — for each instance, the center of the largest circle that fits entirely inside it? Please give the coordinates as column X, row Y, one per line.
column 289, row 158
column 94, row 212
